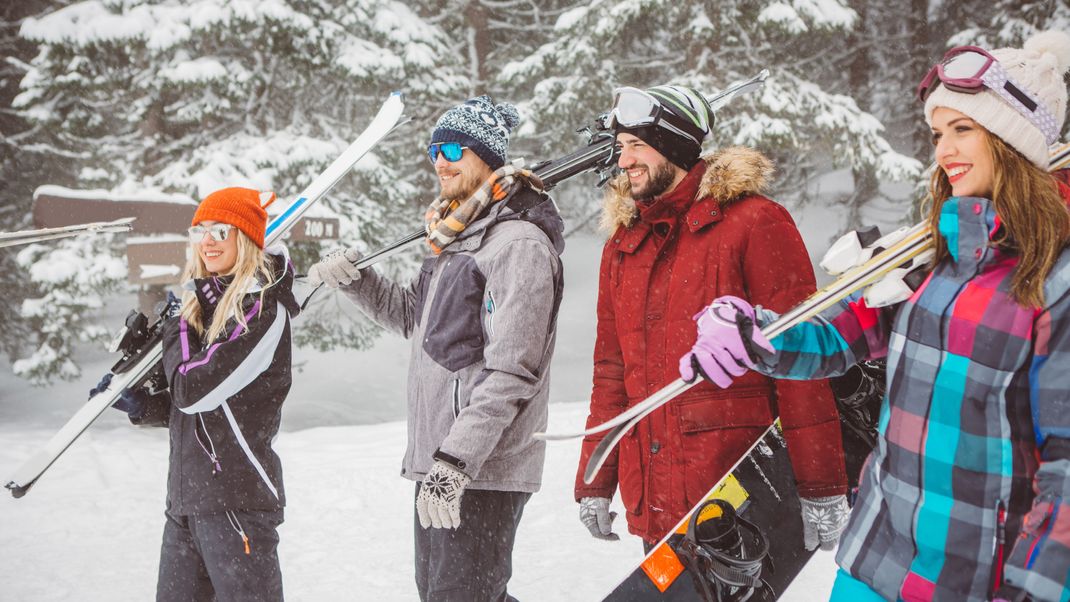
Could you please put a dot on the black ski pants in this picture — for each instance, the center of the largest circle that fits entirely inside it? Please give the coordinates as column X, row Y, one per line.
column 472, row 563
column 204, row 558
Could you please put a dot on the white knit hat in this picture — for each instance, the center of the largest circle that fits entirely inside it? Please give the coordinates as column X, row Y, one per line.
column 1039, row 68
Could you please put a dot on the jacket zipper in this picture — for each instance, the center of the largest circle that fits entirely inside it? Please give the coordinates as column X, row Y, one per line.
column 998, row 541
column 234, row 524
column 456, row 397
column 210, row 448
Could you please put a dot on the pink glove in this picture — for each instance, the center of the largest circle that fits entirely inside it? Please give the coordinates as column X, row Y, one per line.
column 721, row 352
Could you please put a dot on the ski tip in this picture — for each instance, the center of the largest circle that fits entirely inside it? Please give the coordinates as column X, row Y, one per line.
column 17, row 490
column 589, row 472
column 398, row 93
column 541, row 436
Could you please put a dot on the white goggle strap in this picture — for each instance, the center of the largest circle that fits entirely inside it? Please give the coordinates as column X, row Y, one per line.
column 996, row 78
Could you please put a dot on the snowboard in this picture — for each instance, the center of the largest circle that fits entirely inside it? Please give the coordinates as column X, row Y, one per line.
column 761, row 488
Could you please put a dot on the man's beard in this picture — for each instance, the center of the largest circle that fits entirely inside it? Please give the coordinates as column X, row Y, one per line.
column 659, row 179
column 463, row 186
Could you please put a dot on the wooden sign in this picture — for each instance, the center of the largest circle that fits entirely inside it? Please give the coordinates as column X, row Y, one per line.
column 156, row 259
column 54, row 206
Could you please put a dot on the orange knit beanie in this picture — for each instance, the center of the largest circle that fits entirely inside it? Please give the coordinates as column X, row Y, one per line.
column 242, row 208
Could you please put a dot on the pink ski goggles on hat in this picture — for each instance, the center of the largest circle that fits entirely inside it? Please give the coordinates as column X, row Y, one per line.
column 969, row 70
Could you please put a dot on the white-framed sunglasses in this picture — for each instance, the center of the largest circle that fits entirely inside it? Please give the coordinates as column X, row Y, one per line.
column 218, row 232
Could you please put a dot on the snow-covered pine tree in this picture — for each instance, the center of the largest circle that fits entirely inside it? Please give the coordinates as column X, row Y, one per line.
column 21, row 164
column 188, row 97
column 805, row 121
column 487, row 35
column 1011, row 23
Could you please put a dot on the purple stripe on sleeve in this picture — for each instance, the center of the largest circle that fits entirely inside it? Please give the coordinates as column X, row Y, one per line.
column 183, row 329
column 185, row 368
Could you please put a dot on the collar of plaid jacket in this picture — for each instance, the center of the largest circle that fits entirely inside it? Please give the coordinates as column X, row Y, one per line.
column 445, row 219
column 967, row 224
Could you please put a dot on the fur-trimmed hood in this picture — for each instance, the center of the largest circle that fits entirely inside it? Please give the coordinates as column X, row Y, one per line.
column 731, row 173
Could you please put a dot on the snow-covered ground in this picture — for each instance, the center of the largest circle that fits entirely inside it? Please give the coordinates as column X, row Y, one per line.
column 90, row 529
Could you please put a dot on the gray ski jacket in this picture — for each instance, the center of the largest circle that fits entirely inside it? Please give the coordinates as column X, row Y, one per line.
column 482, row 317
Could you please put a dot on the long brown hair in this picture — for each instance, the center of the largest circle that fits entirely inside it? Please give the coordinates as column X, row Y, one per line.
column 1036, row 223
column 250, row 267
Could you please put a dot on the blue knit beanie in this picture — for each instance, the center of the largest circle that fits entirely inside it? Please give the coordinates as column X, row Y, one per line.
column 480, row 125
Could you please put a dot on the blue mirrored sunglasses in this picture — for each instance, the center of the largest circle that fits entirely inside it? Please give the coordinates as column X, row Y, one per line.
column 452, row 151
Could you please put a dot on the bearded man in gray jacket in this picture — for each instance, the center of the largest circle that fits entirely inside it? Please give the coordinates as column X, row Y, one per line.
column 482, row 316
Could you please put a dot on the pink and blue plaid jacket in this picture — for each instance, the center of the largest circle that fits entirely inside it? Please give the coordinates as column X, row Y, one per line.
column 969, row 484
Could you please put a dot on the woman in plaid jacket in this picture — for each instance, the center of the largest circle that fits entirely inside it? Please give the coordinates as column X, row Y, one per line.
column 967, row 494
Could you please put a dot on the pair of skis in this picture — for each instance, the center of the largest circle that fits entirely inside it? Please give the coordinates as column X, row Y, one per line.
column 905, row 246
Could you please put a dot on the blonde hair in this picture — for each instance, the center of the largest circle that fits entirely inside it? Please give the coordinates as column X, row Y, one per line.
column 1036, row 223
column 250, row 267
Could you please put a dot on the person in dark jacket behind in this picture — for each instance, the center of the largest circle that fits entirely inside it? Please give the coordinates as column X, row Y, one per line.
column 685, row 230
column 482, row 316
column 227, row 363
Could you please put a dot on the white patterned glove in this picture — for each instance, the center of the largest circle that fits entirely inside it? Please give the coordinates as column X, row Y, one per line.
column 439, row 502
column 595, row 515
column 336, row 269
column 824, row 518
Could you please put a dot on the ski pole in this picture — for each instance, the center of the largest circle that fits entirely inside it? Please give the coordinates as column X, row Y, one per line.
column 25, row 237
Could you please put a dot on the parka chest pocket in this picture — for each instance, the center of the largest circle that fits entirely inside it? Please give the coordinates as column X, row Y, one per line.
column 714, row 431
column 453, row 337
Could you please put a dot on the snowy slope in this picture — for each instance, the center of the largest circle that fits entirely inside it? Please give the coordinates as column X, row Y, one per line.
column 91, row 530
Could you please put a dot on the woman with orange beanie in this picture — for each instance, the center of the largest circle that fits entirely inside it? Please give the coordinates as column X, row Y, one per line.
column 227, row 364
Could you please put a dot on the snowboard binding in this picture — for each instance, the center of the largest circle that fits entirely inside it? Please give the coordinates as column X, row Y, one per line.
column 858, row 398
column 859, row 394
column 725, row 555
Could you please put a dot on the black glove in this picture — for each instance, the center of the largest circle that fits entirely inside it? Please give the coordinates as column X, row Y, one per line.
column 103, row 384
column 170, row 308
column 133, row 401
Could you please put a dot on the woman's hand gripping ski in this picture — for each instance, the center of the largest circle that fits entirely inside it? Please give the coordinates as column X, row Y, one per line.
column 726, row 343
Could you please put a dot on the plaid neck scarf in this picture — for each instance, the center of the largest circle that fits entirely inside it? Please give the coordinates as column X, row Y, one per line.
column 446, row 219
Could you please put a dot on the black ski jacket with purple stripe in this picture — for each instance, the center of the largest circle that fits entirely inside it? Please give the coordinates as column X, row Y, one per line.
column 225, row 401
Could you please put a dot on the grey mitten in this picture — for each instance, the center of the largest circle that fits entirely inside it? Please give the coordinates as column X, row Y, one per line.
column 824, row 519
column 595, row 515
column 337, row 268
column 439, row 502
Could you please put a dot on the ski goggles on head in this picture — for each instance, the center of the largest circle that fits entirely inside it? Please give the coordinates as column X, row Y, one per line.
column 970, row 70
column 452, row 151
column 634, row 108
column 218, row 232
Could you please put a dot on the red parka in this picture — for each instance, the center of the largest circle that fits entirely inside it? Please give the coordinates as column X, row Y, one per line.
column 712, row 235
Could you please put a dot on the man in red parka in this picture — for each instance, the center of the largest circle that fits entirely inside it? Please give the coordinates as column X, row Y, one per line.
column 687, row 229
